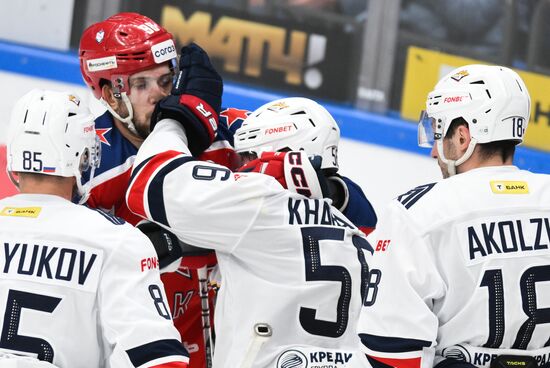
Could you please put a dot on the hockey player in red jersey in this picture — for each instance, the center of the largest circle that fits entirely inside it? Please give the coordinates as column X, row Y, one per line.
column 129, row 63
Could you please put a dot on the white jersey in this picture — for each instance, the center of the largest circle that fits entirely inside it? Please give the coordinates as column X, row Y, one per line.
column 79, row 288
column 291, row 266
column 461, row 270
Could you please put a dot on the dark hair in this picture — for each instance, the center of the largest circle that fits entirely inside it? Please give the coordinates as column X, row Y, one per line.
column 505, row 149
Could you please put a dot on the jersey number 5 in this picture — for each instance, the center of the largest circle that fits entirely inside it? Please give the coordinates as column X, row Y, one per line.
column 315, row 271
column 10, row 339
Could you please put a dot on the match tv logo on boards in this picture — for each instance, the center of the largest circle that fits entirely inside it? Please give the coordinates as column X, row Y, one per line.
column 251, row 48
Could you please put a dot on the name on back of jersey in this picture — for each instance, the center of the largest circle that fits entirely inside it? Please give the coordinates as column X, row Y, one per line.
column 74, row 266
column 314, row 212
column 505, row 236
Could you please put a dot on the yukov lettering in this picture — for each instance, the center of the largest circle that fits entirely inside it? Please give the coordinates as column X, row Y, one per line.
column 57, row 263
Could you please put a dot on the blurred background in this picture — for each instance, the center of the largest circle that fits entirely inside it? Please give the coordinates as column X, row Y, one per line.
column 371, row 62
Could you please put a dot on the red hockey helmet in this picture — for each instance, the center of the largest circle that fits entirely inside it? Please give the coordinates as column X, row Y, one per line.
column 122, row 45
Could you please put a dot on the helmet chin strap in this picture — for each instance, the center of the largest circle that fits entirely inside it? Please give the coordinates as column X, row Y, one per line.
column 127, row 120
column 452, row 164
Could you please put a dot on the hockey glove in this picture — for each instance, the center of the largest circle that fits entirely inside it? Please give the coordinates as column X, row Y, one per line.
column 195, row 101
column 338, row 192
column 293, row 170
column 169, row 248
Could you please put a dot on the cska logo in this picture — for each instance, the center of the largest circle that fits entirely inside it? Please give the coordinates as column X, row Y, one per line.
column 233, row 115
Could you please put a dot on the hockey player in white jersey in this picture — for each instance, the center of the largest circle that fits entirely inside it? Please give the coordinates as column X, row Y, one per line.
column 462, row 266
column 78, row 287
column 291, row 265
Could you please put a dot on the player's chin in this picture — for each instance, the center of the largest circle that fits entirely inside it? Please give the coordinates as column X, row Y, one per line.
column 143, row 127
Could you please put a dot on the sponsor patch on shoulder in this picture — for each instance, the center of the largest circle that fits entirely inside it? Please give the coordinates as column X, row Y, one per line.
column 509, row 187
column 21, row 211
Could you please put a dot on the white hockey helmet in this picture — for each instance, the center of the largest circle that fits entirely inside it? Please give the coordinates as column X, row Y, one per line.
column 53, row 133
column 294, row 123
column 493, row 100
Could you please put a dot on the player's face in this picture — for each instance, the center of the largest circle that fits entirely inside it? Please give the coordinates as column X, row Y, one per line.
column 146, row 89
column 450, row 151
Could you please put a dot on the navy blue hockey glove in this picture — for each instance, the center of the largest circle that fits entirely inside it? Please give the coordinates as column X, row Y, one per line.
column 338, row 191
column 195, row 101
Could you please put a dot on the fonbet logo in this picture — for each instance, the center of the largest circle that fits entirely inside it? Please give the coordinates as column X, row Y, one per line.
column 163, row 51
column 249, row 47
column 452, row 99
column 277, row 130
column 292, row 359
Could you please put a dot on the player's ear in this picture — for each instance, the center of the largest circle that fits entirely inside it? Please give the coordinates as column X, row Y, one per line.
column 108, row 96
column 464, row 137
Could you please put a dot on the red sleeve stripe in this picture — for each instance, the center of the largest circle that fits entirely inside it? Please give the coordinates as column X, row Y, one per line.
column 142, row 175
column 171, row 365
column 396, row 362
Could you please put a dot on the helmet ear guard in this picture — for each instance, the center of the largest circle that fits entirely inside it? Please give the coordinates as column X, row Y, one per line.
column 296, row 124
column 52, row 133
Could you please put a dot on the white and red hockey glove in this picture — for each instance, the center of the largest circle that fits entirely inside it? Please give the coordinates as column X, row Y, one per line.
column 293, row 170
column 195, row 101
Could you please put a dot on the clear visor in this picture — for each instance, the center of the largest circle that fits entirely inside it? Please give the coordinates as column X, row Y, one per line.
column 147, row 83
column 426, row 132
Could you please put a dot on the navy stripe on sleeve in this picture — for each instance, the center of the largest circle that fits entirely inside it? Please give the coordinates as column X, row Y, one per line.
column 155, row 194
column 386, row 344
column 155, row 350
